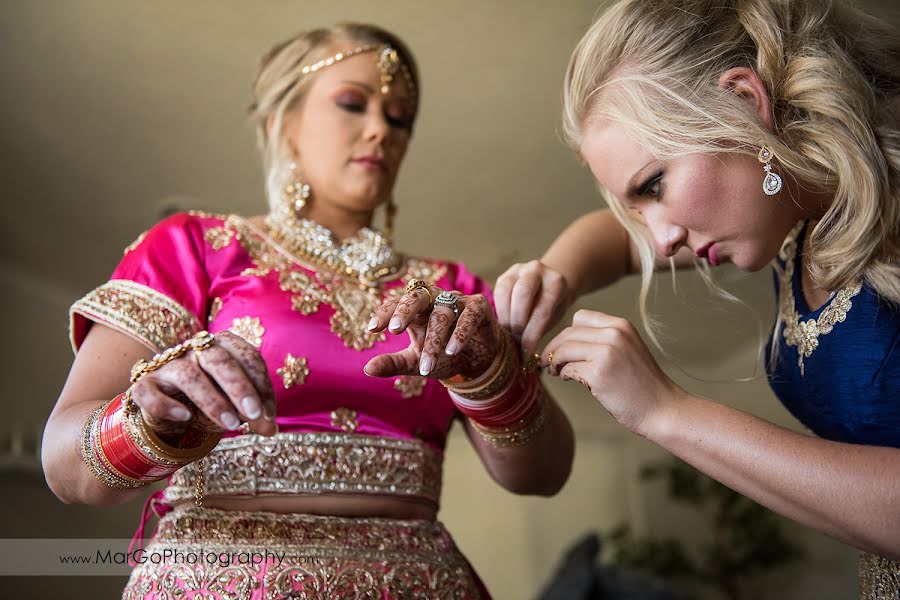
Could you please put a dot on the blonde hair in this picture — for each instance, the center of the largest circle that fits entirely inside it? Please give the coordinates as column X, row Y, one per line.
column 279, row 87
column 833, row 75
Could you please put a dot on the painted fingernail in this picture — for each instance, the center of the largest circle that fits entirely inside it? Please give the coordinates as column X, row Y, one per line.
column 251, row 407
column 229, row 420
column 180, row 413
column 373, row 324
column 425, row 365
column 395, row 323
column 452, row 347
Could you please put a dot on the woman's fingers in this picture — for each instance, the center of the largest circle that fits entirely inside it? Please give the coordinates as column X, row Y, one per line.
column 476, row 310
column 225, row 383
column 253, row 371
column 523, row 297
column 529, row 298
column 503, row 289
column 437, row 333
column 405, row 362
column 552, row 300
column 594, row 318
column 411, row 305
column 161, row 412
column 383, row 315
column 576, row 344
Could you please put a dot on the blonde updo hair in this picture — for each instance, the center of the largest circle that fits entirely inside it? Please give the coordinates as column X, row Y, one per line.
column 279, row 87
column 833, row 77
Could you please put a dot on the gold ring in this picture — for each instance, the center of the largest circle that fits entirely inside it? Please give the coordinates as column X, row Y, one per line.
column 550, row 359
column 420, row 284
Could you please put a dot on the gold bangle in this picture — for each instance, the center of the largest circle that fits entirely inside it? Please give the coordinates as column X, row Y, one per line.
column 149, row 442
column 519, row 434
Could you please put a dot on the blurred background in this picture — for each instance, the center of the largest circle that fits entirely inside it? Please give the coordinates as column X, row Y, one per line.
column 115, row 114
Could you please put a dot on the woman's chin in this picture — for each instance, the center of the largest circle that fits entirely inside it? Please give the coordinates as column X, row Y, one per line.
column 751, row 265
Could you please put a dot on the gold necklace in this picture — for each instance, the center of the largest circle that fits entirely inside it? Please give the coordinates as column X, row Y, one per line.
column 805, row 334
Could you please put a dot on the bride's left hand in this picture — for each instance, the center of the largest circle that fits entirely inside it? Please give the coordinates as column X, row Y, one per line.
column 440, row 346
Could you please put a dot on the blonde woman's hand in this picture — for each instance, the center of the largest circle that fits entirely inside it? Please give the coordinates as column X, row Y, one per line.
column 530, row 298
column 212, row 390
column 440, row 346
column 608, row 357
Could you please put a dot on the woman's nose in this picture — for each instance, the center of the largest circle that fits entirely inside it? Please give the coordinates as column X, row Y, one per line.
column 669, row 237
column 377, row 128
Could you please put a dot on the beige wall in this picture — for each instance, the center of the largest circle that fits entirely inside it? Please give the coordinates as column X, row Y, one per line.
column 114, row 111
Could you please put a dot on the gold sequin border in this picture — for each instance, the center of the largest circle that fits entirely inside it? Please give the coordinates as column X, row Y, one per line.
column 137, row 310
column 314, row 463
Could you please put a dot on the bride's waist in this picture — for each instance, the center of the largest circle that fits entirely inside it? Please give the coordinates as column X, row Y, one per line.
column 300, row 469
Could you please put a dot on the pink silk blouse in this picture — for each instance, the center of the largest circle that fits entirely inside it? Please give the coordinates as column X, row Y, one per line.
column 197, row 271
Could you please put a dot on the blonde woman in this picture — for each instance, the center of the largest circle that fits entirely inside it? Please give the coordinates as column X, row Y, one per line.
column 750, row 132
column 327, row 479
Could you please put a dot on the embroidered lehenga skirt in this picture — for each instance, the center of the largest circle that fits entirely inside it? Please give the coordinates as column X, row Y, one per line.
column 212, row 554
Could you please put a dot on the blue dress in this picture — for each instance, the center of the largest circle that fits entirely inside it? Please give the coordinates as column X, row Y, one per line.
column 846, row 385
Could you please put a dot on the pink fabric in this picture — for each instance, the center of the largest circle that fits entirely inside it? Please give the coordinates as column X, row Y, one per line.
column 177, row 260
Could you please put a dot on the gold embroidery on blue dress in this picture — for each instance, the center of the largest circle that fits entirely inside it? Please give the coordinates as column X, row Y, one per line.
column 248, row 328
column 294, row 371
column 805, row 334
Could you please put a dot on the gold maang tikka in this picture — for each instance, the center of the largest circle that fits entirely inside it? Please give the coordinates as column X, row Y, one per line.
column 389, row 64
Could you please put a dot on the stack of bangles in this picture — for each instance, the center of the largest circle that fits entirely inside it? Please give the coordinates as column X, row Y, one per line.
column 507, row 404
column 122, row 451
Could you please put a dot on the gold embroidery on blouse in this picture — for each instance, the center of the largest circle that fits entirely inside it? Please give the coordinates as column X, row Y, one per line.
column 345, row 419
column 139, row 311
column 135, row 243
column 214, row 308
column 218, row 237
column 305, row 556
column 207, row 215
column 410, row 386
column 805, row 334
column 248, row 328
column 306, row 296
column 313, row 463
column 294, row 371
column 353, row 301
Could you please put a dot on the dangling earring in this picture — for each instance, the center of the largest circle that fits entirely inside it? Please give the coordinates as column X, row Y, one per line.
column 772, row 182
column 295, row 193
column 390, row 213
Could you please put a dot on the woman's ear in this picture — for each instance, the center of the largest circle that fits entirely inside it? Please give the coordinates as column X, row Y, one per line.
column 746, row 84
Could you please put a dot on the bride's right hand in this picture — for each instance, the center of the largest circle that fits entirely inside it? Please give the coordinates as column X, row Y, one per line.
column 213, row 390
column 530, row 298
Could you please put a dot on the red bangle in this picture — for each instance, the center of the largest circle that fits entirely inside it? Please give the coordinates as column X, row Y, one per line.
column 124, row 452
